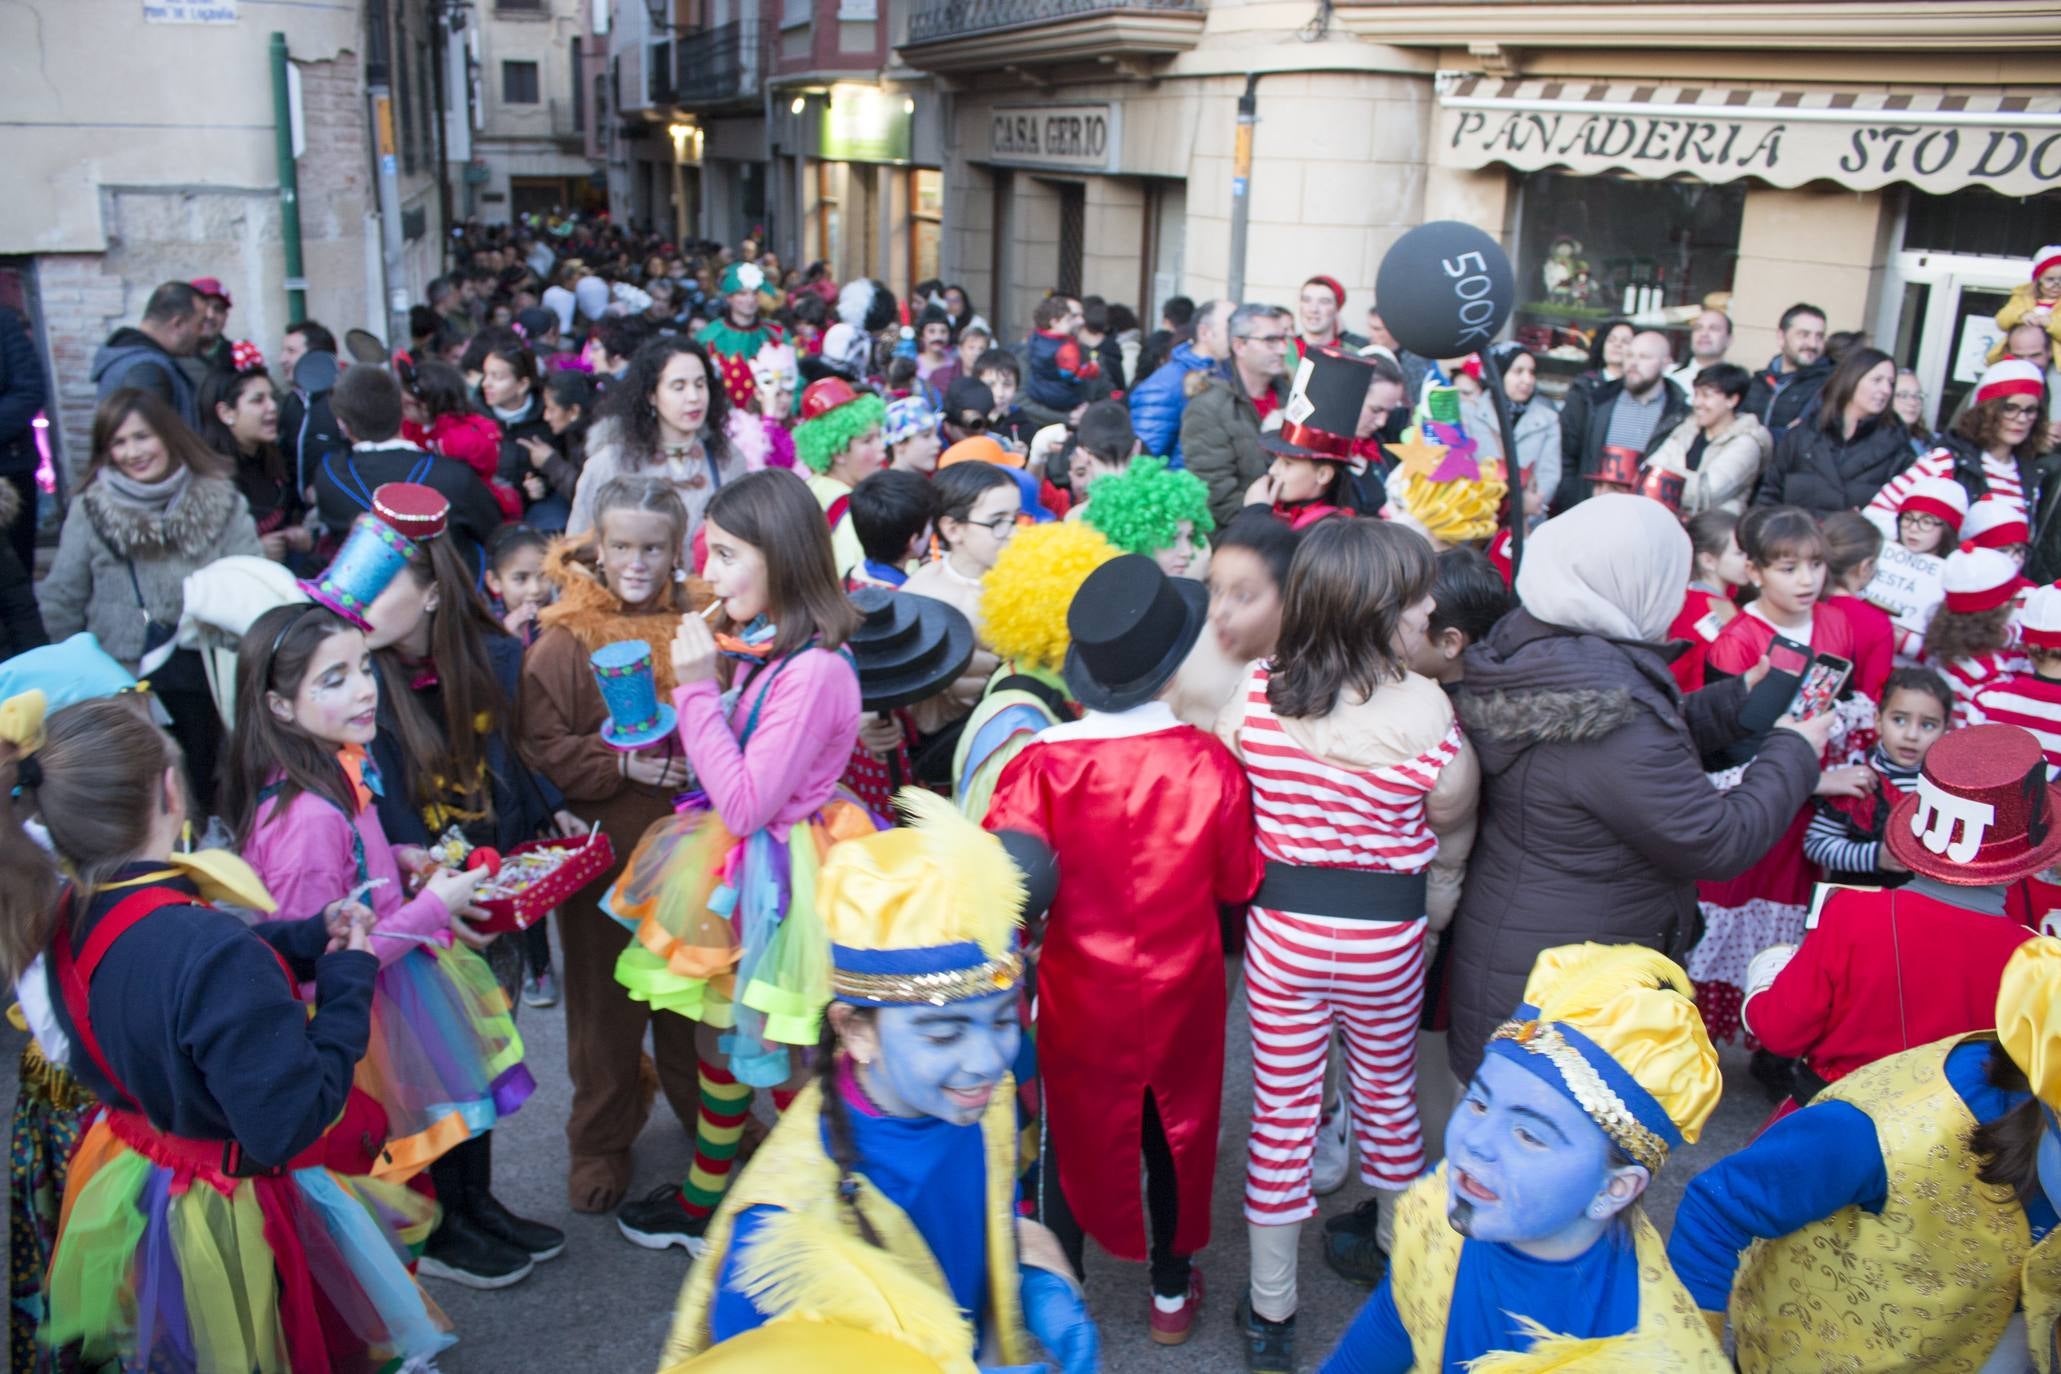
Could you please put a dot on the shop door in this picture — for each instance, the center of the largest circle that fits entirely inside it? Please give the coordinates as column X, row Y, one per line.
column 1942, row 307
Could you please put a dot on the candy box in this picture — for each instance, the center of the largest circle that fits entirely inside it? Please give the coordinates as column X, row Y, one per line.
column 536, row 876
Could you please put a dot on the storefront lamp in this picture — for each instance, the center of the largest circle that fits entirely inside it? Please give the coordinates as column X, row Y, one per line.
column 798, row 104
column 909, row 105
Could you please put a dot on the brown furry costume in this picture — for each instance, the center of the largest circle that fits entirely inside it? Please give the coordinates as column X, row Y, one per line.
column 562, row 712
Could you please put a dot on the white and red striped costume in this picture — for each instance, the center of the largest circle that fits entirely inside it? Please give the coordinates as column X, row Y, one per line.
column 2002, row 476
column 2028, row 701
column 1304, row 973
column 1971, row 676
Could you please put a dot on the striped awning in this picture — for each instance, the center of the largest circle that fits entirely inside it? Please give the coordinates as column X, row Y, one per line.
column 1938, row 141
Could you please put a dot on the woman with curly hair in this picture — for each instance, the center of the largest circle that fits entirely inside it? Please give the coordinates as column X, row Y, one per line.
column 667, row 418
column 1156, row 511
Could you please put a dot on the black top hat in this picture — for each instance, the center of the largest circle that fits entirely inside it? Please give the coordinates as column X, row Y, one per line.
column 907, row 648
column 1323, row 407
column 1131, row 626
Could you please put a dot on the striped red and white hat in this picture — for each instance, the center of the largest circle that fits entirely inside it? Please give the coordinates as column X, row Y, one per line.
column 2009, row 378
column 1941, row 497
column 1978, row 580
column 1994, row 524
column 2045, row 260
column 2039, row 619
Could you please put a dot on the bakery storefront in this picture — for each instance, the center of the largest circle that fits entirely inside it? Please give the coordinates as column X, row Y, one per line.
column 1904, row 214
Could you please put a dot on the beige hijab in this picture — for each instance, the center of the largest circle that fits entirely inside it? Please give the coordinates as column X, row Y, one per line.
column 1615, row 566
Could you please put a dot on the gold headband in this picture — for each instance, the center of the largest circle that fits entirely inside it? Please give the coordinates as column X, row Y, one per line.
column 932, row 989
column 1590, row 1092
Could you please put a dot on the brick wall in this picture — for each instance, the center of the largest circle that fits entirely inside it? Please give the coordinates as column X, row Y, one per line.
column 81, row 303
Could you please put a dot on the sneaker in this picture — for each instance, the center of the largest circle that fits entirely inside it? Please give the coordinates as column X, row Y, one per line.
column 540, row 990
column 534, row 1238
column 1175, row 1326
column 1352, row 1245
column 1334, row 1156
column 461, row 1251
column 1269, row 1346
column 661, row 1220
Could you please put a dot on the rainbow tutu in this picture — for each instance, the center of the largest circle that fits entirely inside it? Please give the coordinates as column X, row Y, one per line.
column 175, row 1268
column 444, row 1059
column 727, row 931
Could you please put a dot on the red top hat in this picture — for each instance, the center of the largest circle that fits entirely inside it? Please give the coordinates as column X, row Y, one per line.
column 1323, row 408
column 1983, row 811
column 415, row 510
column 1664, row 485
column 819, row 398
column 1617, row 465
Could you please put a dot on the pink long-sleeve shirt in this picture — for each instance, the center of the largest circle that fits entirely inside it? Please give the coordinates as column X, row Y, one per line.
column 303, row 855
column 799, row 749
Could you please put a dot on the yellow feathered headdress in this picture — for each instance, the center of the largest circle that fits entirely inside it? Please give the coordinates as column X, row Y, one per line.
column 926, row 913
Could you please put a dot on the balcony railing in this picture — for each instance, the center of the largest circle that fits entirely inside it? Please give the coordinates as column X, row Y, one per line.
column 721, row 65
column 934, row 21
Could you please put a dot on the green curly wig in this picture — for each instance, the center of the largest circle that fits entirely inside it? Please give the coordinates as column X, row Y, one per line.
column 1025, row 596
column 817, row 442
column 1140, row 509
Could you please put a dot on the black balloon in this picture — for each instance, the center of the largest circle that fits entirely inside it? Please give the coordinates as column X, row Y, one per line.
column 1445, row 288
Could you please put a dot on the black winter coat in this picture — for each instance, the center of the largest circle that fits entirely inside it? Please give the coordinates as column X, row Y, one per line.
column 2042, row 500
column 1779, row 399
column 22, row 393
column 1824, row 472
column 1596, row 816
column 1585, row 423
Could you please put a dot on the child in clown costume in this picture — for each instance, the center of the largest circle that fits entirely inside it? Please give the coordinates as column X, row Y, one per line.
column 839, row 443
column 1527, row 1249
column 1913, row 1201
column 722, row 895
column 887, row 1188
column 1157, row 511
column 737, row 334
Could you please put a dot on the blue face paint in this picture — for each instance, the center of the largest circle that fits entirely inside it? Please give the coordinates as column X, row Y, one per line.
column 2049, row 1158
column 944, row 1061
column 1523, row 1161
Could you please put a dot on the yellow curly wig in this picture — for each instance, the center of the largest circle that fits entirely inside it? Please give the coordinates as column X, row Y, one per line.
column 1024, row 597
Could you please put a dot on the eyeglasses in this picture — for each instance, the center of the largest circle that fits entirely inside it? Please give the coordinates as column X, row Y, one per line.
column 968, row 419
column 2021, row 411
column 1000, row 526
column 1262, row 338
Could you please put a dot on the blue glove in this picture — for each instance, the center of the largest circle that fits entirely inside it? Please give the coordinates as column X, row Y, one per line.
column 1056, row 1315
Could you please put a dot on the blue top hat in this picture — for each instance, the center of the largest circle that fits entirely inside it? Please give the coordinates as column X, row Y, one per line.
column 376, row 549
column 635, row 716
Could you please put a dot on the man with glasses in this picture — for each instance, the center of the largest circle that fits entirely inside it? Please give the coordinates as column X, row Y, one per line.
column 1231, row 404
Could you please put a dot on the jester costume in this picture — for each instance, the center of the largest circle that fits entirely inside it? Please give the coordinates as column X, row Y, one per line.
column 734, row 346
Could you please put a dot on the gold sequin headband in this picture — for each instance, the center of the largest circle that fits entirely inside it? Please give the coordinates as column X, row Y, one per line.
column 1590, row 1092
column 932, row 989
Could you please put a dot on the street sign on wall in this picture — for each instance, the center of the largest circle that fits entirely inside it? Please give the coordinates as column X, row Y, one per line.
column 1075, row 138
column 189, row 11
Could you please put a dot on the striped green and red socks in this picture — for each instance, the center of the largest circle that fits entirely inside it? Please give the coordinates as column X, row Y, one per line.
column 717, row 1128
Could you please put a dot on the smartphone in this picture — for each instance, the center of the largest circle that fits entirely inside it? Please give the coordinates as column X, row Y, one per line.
column 1788, row 662
column 1821, row 686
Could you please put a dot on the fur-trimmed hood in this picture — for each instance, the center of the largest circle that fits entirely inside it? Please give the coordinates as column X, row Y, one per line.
column 1531, row 683
column 190, row 526
column 596, row 616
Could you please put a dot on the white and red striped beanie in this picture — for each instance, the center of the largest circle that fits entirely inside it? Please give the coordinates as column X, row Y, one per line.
column 1937, row 496
column 1995, row 524
column 1978, row 580
column 2009, row 378
column 2046, row 260
column 2039, row 619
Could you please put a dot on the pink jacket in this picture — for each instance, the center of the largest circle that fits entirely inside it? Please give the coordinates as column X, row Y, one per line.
column 799, row 749
column 304, row 857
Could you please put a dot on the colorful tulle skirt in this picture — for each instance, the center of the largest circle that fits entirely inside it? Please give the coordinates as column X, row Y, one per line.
column 444, row 1059
column 51, row 1112
column 727, row 931
column 164, row 1265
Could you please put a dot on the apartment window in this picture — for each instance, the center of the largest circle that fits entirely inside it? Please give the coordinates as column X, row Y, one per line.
column 519, row 6
column 579, row 89
column 519, row 83
column 404, row 100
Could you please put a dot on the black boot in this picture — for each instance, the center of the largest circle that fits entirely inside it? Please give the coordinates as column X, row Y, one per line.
column 458, row 1249
column 1269, row 1346
column 1351, row 1246
column 533, row 1238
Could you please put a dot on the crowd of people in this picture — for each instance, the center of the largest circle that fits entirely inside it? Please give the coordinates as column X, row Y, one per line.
column 907, row 724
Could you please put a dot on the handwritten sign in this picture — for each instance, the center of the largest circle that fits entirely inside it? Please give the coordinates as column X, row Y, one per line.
column 1907, row 585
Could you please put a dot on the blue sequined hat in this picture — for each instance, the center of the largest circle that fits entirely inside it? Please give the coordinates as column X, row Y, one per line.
column 636, row 717
column 376, row 549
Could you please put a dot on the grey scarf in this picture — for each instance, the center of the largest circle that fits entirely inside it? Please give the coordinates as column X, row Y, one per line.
column 151, row 498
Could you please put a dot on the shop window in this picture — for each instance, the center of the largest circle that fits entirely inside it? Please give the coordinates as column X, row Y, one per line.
column 1073, row 219
column 519, row 83
column 926, row 221
column 1597, row 248
column 1981, row 223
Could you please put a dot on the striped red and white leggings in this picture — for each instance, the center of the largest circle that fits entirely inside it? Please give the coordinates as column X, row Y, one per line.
column 1302, row 975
